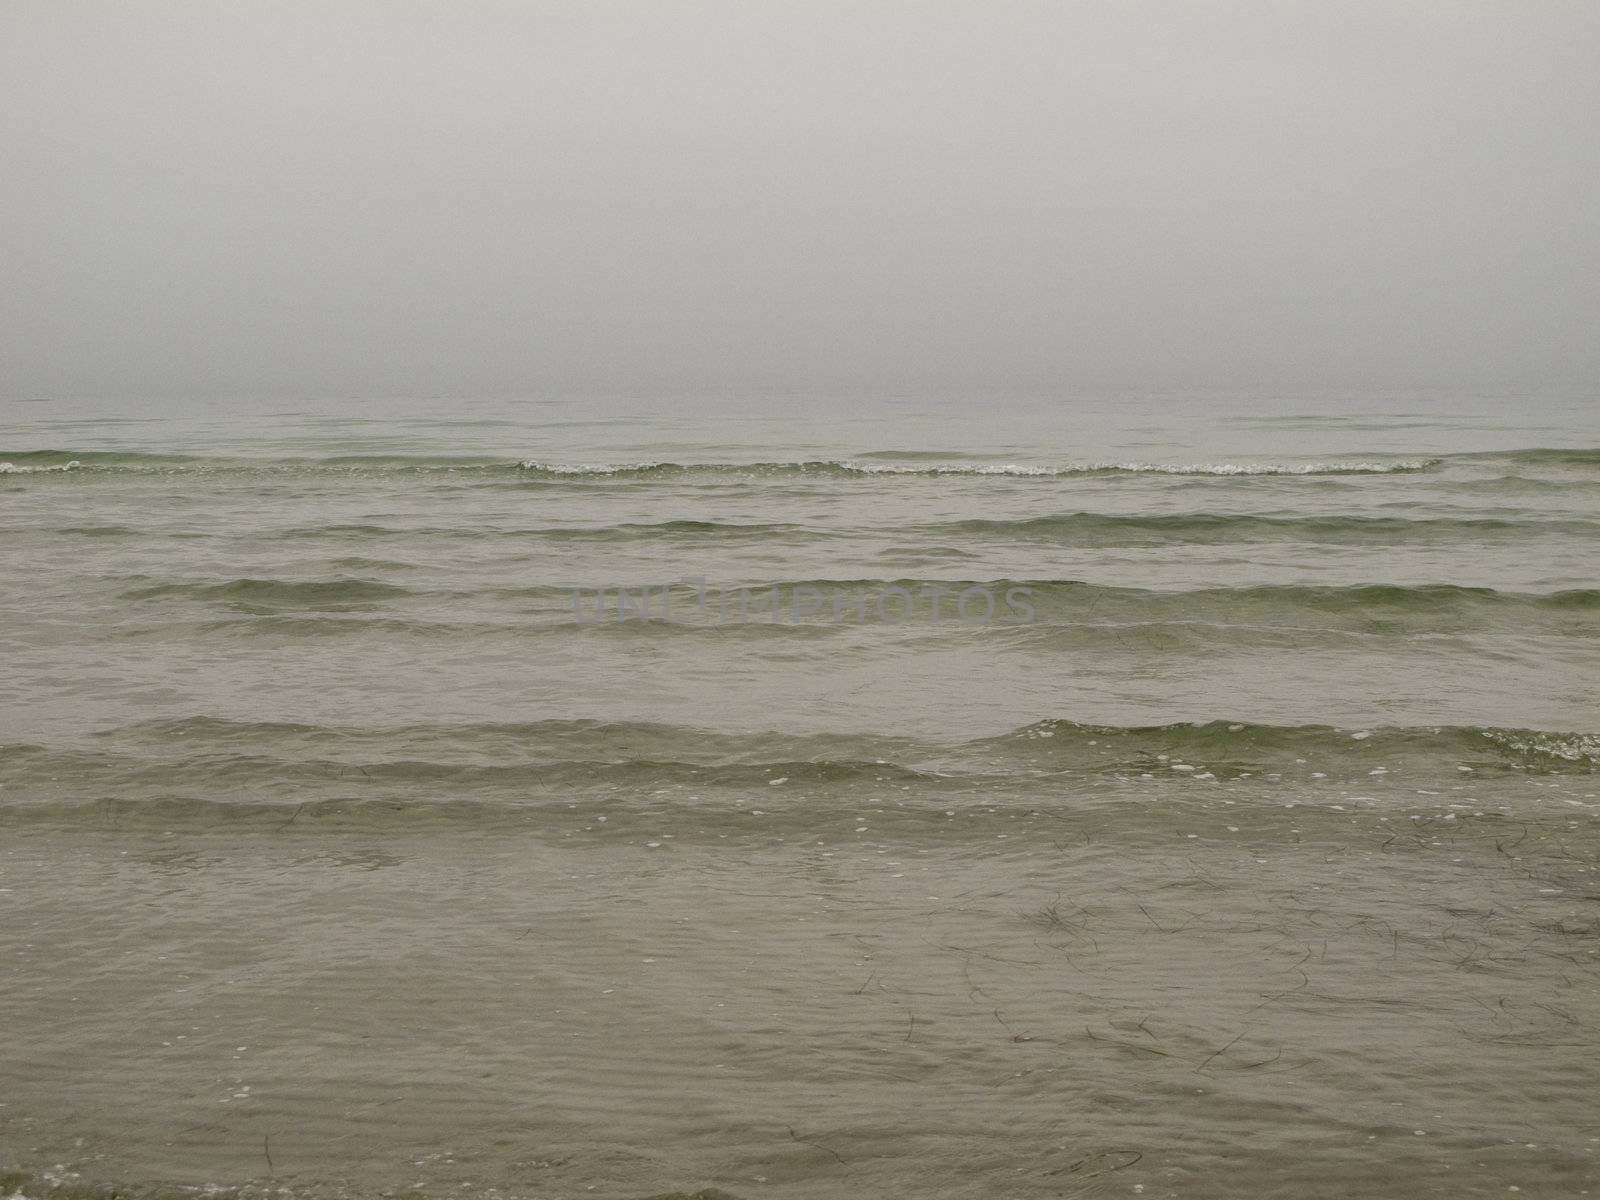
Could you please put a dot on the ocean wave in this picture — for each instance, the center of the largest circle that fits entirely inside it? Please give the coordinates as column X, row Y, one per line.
column 871, row 463
column 11, row 468
column 267, row 594
column 679, row 530
column 99, row 531
column 336, row 622
column 100, row 462
column 1056, row 594
column 396, row 773
column 633, row 741
column 1088, row 529
column 624, row 531
column 1206, row 528
column 514, row 739
column 897, row 601
column 1212, row 739
column 1541, row 455
column 89, row 459
column 234, row 768
column 839, row 468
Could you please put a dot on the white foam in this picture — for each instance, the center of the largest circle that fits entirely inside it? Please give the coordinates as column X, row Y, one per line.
column 12, row 468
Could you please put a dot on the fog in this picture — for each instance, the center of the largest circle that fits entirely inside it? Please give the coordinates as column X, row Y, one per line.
column 495, row 198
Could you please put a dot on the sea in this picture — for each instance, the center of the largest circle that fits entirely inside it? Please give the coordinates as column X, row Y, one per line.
column 1072, row 794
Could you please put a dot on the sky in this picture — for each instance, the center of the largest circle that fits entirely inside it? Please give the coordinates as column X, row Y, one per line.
column 242, row 198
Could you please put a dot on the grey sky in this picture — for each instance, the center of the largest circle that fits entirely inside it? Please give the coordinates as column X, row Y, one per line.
column 382, row 198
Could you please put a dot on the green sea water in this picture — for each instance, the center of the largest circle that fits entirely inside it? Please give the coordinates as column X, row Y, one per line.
column 369, row 825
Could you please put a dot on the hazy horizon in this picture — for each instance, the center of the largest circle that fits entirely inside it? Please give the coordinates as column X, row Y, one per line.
column 407, row 199
column 758, row 601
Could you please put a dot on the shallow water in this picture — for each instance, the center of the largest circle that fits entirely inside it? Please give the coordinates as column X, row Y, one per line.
column 357, row 838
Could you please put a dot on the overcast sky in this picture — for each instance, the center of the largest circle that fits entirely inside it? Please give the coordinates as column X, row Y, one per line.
column 229, row 197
